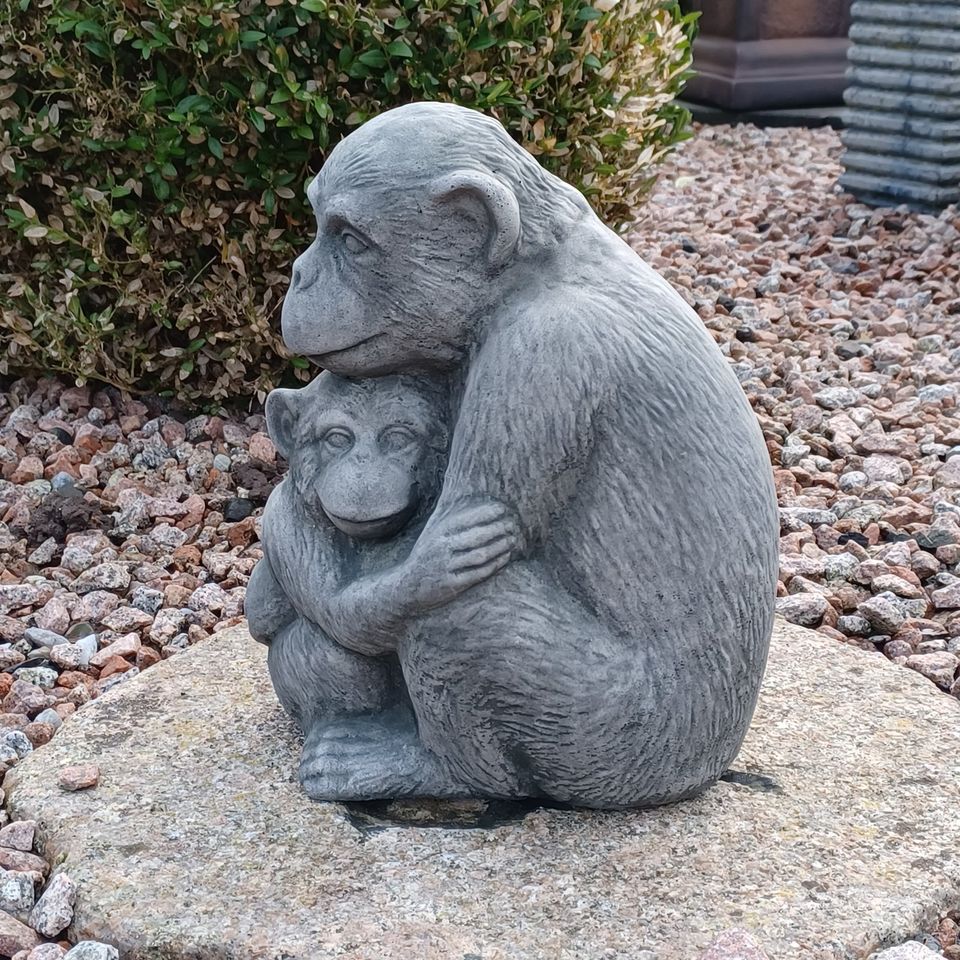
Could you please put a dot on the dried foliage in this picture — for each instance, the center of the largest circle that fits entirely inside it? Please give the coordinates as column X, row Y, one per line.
column 154, row 153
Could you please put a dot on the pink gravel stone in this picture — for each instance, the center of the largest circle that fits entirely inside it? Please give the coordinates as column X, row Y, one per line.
column 80, row 777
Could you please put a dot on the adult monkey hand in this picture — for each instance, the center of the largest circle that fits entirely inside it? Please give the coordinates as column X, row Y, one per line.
column 456, row 550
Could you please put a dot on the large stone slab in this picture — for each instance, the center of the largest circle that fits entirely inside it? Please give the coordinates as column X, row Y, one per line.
column 837, row 833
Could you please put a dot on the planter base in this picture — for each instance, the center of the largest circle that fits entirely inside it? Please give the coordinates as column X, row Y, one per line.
column 761, row 74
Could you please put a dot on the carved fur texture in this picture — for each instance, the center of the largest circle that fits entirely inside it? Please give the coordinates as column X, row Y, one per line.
column 613, row 653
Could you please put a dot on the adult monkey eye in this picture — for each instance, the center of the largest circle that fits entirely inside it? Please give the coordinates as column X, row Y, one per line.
column 353, row 243
column 396, row 438
column 338, row 439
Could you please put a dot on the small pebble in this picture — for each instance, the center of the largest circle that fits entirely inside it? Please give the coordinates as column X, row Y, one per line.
column 79, row 777
column 53, row 912
column 92, row 950
column 19, row 835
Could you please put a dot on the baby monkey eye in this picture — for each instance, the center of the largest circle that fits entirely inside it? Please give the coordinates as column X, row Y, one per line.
column 396, row 438
column 338, row 439
column 352, row 242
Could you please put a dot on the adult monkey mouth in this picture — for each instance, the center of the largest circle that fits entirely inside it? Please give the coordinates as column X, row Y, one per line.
column 319, row 358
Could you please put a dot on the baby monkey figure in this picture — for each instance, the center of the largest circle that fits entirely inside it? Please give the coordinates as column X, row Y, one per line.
column 341, row 577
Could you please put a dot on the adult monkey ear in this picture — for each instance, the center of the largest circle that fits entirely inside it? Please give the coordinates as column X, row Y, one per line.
column 479, row 193
column 282, row 412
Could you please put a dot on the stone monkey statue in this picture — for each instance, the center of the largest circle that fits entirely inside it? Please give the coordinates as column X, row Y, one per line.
column 616, row 658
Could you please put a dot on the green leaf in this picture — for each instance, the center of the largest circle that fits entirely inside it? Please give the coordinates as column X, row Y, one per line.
column 252, row 36
column 502, row 87
column 399, row 48
column 482, row 42
column 98, row 48
column 373, row 58
column 314, row 6
column 589, row 13
column 160, row 186
column 215, row 147
column 89, row 28
column 195, row 103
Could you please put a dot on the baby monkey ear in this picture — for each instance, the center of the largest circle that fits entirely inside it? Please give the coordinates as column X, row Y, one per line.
column 282, row 413
column 496, row 204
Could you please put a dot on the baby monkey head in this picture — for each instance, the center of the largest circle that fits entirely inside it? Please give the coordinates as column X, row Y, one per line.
column 364, row 454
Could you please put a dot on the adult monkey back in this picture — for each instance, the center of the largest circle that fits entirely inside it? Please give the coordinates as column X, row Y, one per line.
column 633, row 622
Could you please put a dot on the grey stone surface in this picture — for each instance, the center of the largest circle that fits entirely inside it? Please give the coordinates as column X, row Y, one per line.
column 573, row 597
column 938, row 173
column 836, row 837
column 914, row 57
column 16, row 893
column 91, row 950
column 895, row 143
column 898, row 34
column 909, row 13
column 927, row 105
column 903, row 128
column 887, row 192
column 908, row 125
column 914, row 950
column 919, row 80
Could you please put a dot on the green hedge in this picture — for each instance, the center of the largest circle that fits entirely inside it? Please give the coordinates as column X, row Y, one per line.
column 154, row 155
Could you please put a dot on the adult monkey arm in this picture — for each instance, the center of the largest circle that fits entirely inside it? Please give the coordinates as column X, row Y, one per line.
column 527, row 421
column 368, row 614
column 465, row 548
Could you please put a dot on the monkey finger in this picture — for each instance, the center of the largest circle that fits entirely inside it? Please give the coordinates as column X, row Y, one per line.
column 471, row 576
column 476, row 516
column 481, row 536
column 480, row 556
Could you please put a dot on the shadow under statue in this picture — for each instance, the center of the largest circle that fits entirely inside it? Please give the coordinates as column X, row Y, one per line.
column 527, row 546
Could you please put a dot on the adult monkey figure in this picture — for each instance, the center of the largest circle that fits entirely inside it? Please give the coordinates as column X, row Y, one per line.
column 630, row 628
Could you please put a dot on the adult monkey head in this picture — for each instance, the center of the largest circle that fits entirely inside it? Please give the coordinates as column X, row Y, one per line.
column 418, row 239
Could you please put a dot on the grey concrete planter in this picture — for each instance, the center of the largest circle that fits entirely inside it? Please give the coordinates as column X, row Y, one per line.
column 769, row 54
column 903, row 134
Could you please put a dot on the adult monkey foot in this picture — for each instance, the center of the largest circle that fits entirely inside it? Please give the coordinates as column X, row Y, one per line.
column 373, row 758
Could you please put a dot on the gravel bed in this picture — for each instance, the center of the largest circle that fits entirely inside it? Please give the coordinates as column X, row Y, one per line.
column 128, row 534
column 125, row 537
column 842, row 324
column 36, row 904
